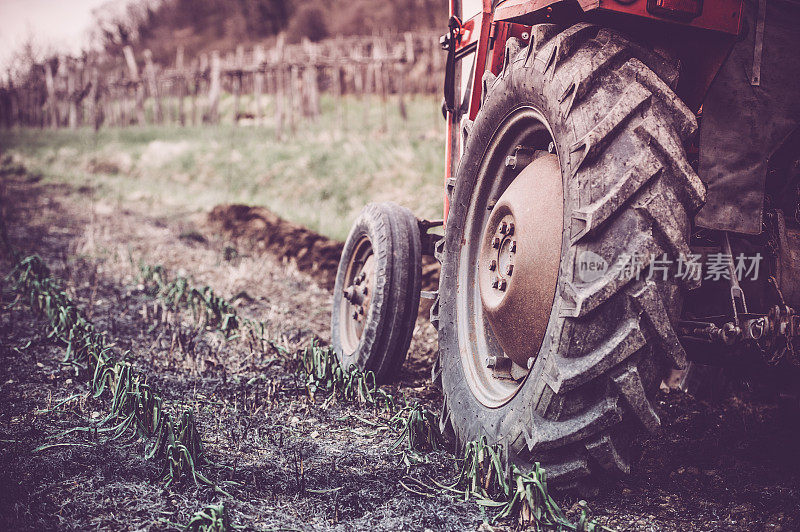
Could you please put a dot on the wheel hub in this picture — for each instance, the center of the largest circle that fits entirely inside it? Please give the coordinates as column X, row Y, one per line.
column 357, row 295
column 520, row 257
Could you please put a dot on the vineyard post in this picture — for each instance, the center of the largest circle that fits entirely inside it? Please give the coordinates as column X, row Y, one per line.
column 336, row 87
column 198, row 87
column 214, row 88
column 72, row 94
column 295, row 94
column 310, row 79
column 238, row 75
column 280, row 108
column 180, row 79
column 379, row 55
column 258, row 81
column 133, row 70
column 150, row 72
column 94, row 94
column 52, row 113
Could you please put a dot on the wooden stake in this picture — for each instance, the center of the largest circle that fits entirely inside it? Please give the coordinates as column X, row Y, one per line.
column 133, row 70
column 52, row 115
column 258, row 81
column 152, row 83
column 181, row 82
column 214, row 88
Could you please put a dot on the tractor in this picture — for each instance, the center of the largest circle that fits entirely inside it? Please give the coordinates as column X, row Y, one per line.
column 621, row 201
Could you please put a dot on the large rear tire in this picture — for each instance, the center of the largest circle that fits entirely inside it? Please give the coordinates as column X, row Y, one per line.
column 618, row 131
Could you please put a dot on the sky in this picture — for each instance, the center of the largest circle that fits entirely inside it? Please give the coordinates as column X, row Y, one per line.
column 60, row 24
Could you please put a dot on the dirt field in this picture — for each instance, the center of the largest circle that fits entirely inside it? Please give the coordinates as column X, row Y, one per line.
column 731, row 463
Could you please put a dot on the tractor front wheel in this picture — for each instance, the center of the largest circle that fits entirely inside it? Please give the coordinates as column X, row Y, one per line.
column 376, row 296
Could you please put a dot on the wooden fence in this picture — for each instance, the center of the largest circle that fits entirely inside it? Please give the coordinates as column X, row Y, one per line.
column 74, row 92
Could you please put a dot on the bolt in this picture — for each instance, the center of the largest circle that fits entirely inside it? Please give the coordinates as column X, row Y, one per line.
column 509, row 269
column 491, row 361
column 513, row 248
column 501, row 285
column 503, row 228
column 492, row 265
column 510, row 228
column 496, row 242
column 494, row 282
column 525, row 35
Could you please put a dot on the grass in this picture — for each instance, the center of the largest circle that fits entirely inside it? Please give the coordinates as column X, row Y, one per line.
column 357, row 151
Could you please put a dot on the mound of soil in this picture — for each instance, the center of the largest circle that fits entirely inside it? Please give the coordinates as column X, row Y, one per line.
column 261, row 229
column 264, row 230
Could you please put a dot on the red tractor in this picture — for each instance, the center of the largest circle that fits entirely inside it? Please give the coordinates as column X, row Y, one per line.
column 593, row 241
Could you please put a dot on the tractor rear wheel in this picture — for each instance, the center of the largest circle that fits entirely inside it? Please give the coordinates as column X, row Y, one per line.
column 574, row 163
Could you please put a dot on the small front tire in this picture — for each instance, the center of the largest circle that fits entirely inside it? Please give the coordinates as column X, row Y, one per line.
column 376, row 297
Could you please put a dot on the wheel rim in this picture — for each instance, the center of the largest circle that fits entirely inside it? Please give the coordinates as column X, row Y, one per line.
column 357, row 295
column 500, row 331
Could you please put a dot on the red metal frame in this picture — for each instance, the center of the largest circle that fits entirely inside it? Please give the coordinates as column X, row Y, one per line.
column 716, row 15
column 702, row 44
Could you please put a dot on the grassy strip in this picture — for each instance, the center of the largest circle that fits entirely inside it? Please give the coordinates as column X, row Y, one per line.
column 319, row 178
column 482, row 476
column 136, row 408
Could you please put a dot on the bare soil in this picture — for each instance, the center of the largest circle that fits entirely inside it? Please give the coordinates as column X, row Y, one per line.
column 728, row 462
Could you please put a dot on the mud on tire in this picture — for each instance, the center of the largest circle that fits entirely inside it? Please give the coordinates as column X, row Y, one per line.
column 619, row 131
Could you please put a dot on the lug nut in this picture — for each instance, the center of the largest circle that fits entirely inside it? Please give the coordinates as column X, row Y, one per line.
column 491, row 361
column 503, row 228
column 364, row 290
column 355, row 315
column 348, row 293
column 496, row 242
column 513, row 248
column 492, row 265
column 510, row 228
column 501, row 285
column 494, row 282
column 509, row 269
column 361, row 311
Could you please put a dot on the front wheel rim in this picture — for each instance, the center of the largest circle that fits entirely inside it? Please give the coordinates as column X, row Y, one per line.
column 356, row 295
